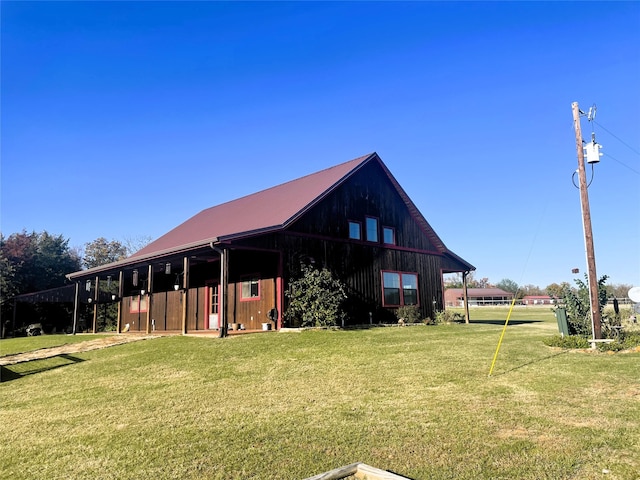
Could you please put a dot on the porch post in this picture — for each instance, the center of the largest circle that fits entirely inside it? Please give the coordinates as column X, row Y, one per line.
column 120, row 292
column 465, row 296
column 149, row 296
column 76, row 301
column 185, row 294
column 279, row 293
column 95, row 305
column 223, row 291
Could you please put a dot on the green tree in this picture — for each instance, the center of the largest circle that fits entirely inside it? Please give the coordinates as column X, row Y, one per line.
column 315, row 299
column 101, row 252
column 555, row 290
column 35, row 261
column 508, row 285
column 577, row 302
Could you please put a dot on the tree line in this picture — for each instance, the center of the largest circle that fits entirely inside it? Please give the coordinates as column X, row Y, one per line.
column 556, row 290
column 35, row 261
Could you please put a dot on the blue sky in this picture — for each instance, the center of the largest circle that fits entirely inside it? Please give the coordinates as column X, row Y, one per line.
column 124, row 119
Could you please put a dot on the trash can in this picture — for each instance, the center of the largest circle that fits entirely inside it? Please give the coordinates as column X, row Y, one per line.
column 561, row 317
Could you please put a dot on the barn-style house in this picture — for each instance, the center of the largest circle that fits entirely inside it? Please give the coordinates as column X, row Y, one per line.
column 231, row 264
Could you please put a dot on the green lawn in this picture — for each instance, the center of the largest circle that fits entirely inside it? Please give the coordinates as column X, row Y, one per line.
column 27, row 344
column 417, row 401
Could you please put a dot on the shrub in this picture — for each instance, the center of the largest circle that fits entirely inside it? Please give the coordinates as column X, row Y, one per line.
column 578, row 305
column 568, row 341
column 315, row 299
column 408, row 313
column 447, row 316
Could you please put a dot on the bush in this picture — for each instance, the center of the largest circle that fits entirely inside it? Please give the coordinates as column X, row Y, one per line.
column 409, row 314
column 315, row 299
column 447, row 316
column 568, row 341
column 577, row 302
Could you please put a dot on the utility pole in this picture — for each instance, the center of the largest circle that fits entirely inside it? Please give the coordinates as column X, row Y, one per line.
column 588, row 233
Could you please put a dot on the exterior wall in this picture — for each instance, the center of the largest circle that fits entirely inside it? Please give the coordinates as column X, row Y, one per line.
column 251, row 313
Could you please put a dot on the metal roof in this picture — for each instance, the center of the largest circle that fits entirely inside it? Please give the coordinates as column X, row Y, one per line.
column 268, row 210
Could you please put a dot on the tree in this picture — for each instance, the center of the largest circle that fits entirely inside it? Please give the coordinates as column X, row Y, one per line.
column 555, row 291
column 134, row 244
column 35, row 261
column 577, row 302
column 315, row 299
column 101, row 252
column 530, row 289
column 508, row 285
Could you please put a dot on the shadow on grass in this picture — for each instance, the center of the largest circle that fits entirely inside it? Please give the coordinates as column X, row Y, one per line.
column 537, row 360
column 501, row 322
column 19, row 370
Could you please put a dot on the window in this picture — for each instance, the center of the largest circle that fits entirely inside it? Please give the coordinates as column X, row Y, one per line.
column 410, row 288
column 391, row 287
column 372, row 229
column 400, row 288
column 355, row 230
column 250, row 289
column 389, row 235
column 138, row 304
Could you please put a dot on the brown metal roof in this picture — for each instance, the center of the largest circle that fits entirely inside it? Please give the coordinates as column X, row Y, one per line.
column 267, row 210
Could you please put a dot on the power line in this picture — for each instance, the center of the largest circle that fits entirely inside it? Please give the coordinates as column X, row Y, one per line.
column 618, row 138
column 622, row 163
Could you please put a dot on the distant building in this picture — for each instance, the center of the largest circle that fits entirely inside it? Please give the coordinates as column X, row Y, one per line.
column 454, row 297
column 537, row 300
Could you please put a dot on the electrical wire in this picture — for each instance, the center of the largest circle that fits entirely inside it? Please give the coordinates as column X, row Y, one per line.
column 618, row 138
column 622, row 163
column 573, row 177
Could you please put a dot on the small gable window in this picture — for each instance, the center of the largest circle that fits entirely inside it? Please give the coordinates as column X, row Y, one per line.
column 250, row 288
column 372, row 229
column 355, row 230
column 389, row 235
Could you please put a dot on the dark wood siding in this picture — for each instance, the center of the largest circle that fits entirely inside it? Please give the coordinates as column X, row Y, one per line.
column 251, row 313
column 195, row 311
column 368, row 193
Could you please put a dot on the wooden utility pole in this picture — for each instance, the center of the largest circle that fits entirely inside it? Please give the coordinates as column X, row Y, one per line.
column 588, row 233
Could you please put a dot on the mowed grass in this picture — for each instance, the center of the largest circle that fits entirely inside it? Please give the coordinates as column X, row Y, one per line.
column 416, row 400
column 28, row 344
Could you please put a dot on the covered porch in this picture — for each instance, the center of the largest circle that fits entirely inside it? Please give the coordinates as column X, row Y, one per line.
column 218, row 289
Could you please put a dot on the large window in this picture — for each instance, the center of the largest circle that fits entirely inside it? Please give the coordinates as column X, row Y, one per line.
column 400, row 288
column 250, row 288
column 372, row 229
column 355, row 230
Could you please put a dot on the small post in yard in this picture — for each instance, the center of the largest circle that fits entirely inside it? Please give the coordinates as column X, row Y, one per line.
column 588, row 233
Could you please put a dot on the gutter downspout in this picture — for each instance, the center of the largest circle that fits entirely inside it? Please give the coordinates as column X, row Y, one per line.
column 222, row 311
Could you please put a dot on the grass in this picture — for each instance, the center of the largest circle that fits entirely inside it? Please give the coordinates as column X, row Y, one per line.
column 414, row 400
column 27, row 344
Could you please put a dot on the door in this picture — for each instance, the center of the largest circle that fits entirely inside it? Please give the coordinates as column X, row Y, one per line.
column 214, row 318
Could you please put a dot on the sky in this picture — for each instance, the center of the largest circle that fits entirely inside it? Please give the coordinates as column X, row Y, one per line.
column 123, row 119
